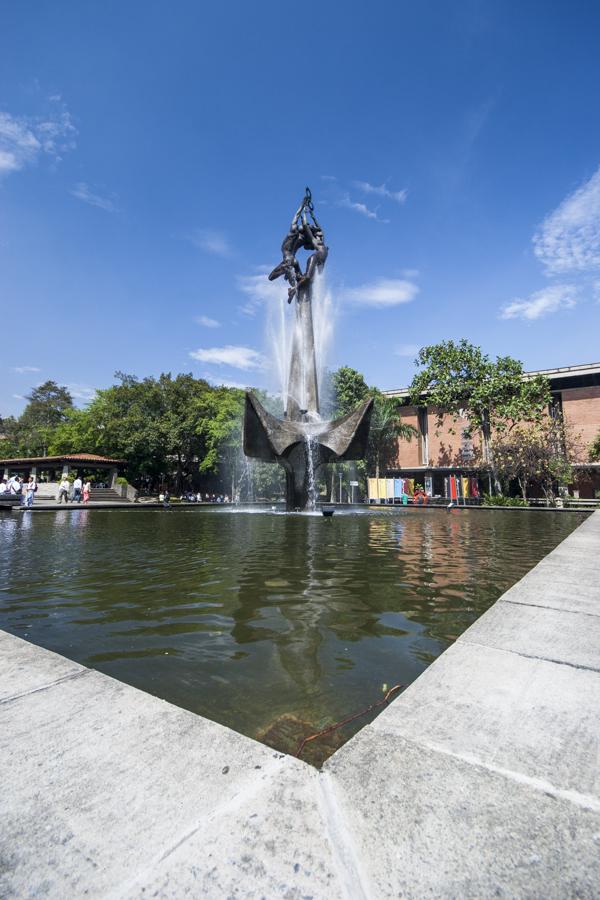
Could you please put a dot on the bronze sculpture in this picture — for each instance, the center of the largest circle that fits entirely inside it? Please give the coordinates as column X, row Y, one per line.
column 308, row 236
column 302, row 441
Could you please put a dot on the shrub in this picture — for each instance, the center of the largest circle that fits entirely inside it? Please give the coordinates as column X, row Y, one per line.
column 500, row 500
column 121, row 480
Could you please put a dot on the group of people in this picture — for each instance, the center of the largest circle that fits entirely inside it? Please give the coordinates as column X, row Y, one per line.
column 17, row 487
column 77, row 493
column 192, row 497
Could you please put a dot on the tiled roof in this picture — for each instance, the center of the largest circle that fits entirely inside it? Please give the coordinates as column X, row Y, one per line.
column 68, row 458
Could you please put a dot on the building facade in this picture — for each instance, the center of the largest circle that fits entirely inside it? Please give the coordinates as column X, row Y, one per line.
column 443, row 459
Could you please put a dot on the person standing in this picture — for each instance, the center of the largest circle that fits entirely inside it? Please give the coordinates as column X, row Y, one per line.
column 77, row 487
column 63, row 490
column 30, row 491
column 86, row 491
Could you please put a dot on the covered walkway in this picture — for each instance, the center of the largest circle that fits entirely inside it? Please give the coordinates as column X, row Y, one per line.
column 49, row 470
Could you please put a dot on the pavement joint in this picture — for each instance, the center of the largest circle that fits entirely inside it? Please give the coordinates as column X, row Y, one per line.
column 46, row 687
column 548, row 659
column 546, row 606
column 541, row 785
column 352, row 877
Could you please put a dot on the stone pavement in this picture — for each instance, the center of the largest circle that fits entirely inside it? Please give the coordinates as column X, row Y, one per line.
column 482, row 779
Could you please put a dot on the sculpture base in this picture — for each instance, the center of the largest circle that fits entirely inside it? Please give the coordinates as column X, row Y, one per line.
column 302, row 447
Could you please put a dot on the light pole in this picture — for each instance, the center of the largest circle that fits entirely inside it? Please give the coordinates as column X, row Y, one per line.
column 340, row 487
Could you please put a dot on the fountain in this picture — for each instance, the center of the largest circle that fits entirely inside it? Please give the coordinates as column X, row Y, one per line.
column 302, row 441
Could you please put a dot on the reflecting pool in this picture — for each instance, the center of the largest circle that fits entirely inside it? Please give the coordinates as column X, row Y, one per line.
column 275, row 625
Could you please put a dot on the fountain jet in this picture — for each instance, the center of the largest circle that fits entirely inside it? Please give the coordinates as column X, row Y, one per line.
column 301, row 442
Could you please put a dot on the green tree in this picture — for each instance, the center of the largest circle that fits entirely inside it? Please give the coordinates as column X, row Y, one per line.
column 154, row 424
column 539, row 453
column 47, row 408
column 8, row 438
column 458, row 380
column 386, row 428
column 349, row 389
column 595, row 449
column 221, row 430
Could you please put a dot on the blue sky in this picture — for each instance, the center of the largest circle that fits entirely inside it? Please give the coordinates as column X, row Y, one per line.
column 151, row 156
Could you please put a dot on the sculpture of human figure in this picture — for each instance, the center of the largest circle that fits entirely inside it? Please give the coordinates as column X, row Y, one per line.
column 314, row 239
column 289, row 266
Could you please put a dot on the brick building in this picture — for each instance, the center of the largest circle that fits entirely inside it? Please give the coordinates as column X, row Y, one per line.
column 437, row 455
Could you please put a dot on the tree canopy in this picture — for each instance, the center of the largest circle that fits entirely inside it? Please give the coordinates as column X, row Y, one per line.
column 461, row 381
column 48, row 406
column 386, row 429
column 537, row 453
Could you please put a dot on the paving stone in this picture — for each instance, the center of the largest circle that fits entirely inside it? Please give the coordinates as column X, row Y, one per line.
column 25, row 667
column 273, row 844
column 554, row 586
column 555, row 635
column 104, row 779
column 425, row 824
column 527, row 716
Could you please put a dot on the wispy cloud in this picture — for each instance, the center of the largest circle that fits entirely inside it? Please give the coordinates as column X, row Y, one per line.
column 24, row 370
column 81, row 391
column 566, row 243
column 340, row 196
column 236, row 357
column 259, row 290
column 19, row 397
column 549, row 300
column 410, row 350
column 206, row 322
column 347, row 203
column 23, row 140
column 381, row 190
column 213, row 242
column 225, row 382
column 383, row 292
column 568, row 240
column 83, row 192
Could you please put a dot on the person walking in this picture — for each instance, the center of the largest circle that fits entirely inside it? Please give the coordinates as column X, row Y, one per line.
column 77, row 488
column 86, row 491
column 63, row 490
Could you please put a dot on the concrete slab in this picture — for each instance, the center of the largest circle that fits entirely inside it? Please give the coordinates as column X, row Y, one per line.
column 273, row 843
column 555, row 635
column 553, row 586
column 27, row 668
column 107, row 780
column 525, row 717
column 567, row 578
column 426, row 824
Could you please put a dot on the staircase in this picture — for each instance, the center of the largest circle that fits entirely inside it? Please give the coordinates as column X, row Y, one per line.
column 106, row 495
column 47, row 493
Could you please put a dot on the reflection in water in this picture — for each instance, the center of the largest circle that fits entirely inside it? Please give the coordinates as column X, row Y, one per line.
column 250, row 619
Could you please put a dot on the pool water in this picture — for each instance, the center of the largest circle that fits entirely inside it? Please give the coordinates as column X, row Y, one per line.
column 275, row 625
